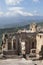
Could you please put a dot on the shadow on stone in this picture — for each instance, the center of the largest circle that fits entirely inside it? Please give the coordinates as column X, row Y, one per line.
column 41, row 53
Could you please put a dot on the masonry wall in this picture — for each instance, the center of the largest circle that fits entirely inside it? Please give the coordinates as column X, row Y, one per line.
column 39, row 39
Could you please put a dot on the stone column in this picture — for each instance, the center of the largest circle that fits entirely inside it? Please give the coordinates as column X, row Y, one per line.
column 16, row 44
column 6, row 44
column 23, row 47
column 12, row 43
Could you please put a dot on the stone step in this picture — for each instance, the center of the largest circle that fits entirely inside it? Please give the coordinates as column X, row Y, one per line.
column 9, row 52
column 12, row 56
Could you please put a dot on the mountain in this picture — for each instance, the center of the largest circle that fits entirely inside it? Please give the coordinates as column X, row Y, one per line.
column 23, row 23
column 19, row 21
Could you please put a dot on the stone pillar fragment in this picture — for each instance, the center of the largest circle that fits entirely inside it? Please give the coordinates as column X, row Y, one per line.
column 12, row 44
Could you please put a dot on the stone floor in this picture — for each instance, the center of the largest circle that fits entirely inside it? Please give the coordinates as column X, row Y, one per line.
column 20, row 62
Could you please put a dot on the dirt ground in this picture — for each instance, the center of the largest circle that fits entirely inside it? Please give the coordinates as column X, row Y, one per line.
column 20, row 62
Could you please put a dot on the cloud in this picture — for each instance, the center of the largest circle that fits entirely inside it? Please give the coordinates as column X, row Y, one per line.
column 13, row 2
column 35, row 0
column 1, row 13
column 19, row 10
column 14, row 8
column 13, row 11
column 25, row 13
column 36, row 13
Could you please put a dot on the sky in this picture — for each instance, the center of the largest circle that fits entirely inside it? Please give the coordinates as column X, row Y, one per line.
column 14, row 9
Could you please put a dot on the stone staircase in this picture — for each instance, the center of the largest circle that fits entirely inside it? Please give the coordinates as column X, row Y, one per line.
column 11, row 54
